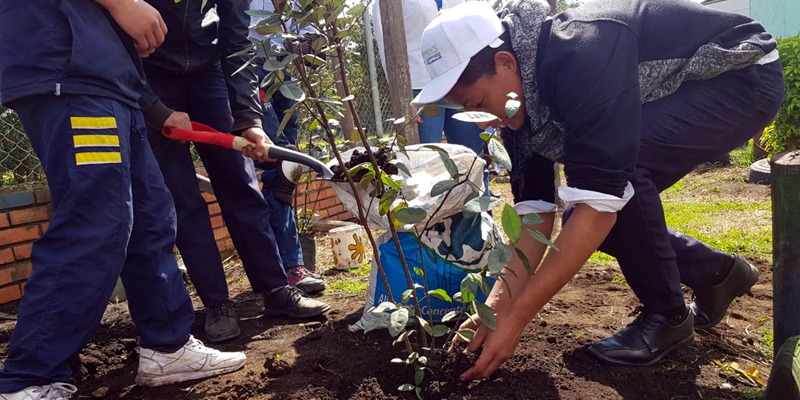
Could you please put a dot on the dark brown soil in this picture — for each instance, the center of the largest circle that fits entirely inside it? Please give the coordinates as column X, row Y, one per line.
column 321, row 359
column 382, row 157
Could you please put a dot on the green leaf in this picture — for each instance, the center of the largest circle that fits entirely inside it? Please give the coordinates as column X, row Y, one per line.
column 410, row 215
column 398, row 321
column 434, row 147
column 365, row 165
column 440, row 330
column 531, row 219
column 468, row 289
column 542, row 238
column 500, row 153
column 406, row 387
column 406, row 296
column 425, row 325
column 313, row 60
column 442, row 187
column 291, row 90
column 418, row 392
column 450, row 316
column 466, row 334
column 480, row 204
column 440, row 294
column 512, row 106
column 245, row 65
column 499, row 257
column 475, row 117
column 448, row 163
column 397, row 360
column 357, row 9
column 420, row 374
column 524, row 259
column 273, row 65
column 419, row 272
column 258, row 13
column 386, row 202
column 288, row 59
column 486, row 314
column 286, row 117
column 377, row 323
column 400, row 339
column 511, row 223
column 486, row 136
column 399, row 164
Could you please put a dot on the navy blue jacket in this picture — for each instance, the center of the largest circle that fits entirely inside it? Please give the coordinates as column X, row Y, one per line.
column 199, row 39
column 65, row 46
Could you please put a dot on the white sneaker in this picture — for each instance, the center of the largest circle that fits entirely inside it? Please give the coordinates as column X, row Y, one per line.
column 53, row 391
column 193, row 361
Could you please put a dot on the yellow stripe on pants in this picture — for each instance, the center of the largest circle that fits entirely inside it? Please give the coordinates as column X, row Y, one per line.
column 98, row 158
column 93, row 122
column 95, row 140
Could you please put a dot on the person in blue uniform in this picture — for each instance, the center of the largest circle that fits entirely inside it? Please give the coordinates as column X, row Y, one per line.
column 193, row 77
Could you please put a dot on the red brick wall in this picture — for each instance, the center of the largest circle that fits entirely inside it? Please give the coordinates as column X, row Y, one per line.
column 25, row 215
column 322, row 199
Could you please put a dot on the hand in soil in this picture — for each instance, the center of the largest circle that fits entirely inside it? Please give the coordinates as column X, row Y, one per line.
column 498, row 346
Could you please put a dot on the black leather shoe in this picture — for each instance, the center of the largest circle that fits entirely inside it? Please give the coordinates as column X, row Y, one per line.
column 711, row 304
column 645, row 340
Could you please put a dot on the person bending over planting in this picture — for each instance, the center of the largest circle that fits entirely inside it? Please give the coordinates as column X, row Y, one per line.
column 630, row 95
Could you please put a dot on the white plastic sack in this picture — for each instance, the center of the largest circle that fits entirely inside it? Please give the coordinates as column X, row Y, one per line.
column 426, row 168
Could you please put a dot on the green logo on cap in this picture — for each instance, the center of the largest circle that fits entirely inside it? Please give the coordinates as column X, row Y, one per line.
column 430, row 51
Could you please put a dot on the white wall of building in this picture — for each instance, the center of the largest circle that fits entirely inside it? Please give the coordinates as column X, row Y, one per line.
column 737, row 6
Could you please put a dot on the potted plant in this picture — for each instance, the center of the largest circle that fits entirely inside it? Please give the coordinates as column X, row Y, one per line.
column 304, row 217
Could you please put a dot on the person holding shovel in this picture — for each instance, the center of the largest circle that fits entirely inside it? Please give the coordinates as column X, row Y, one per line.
column 630, row 95
column 71, row 71
column 196, row 75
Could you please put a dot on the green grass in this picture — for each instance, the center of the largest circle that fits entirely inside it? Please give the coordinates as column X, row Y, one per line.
column 603, row 259
column 743, row 156
column 742, row 228
column 353, row 281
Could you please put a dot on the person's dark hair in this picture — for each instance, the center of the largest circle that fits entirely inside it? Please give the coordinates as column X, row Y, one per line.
column 483, row 63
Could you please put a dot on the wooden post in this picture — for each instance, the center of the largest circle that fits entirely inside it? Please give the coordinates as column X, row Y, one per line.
column 785, row 178
column 394, row 41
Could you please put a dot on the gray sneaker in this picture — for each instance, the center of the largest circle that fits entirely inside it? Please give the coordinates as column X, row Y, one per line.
column 292, row 302
column 222, row 323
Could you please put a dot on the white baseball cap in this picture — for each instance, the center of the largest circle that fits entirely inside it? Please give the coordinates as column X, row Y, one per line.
column 450, row 41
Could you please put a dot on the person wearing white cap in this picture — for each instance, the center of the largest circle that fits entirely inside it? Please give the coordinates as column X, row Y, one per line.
column 630, row 95
column 434, row 119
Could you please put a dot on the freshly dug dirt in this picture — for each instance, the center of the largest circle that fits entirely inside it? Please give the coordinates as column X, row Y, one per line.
column 382, row 157
column 321, row 359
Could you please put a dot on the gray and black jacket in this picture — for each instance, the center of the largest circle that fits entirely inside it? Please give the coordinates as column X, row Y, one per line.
column 595, row 66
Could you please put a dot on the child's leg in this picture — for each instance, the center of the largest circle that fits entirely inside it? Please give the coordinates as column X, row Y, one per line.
column 159, row 303
column 83, row 144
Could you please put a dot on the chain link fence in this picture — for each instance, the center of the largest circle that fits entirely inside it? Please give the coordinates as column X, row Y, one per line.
column 18, row 163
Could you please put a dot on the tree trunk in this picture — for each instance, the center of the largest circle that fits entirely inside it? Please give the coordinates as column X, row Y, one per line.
column 785, row 179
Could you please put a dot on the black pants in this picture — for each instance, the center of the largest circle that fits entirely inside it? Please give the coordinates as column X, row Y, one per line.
column 698, row 123
column 204, row 96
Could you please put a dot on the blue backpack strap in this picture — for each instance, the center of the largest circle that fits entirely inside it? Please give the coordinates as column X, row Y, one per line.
column 439, row 4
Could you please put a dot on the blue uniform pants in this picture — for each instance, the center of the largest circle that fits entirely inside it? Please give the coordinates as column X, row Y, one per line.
column 282, row 218
column 113, row 214
column 204, row 96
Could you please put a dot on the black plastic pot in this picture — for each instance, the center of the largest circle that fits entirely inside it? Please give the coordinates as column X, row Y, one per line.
column 309, row 245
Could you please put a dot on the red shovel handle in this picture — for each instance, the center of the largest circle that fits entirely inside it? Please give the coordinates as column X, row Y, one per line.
column 204, row 134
